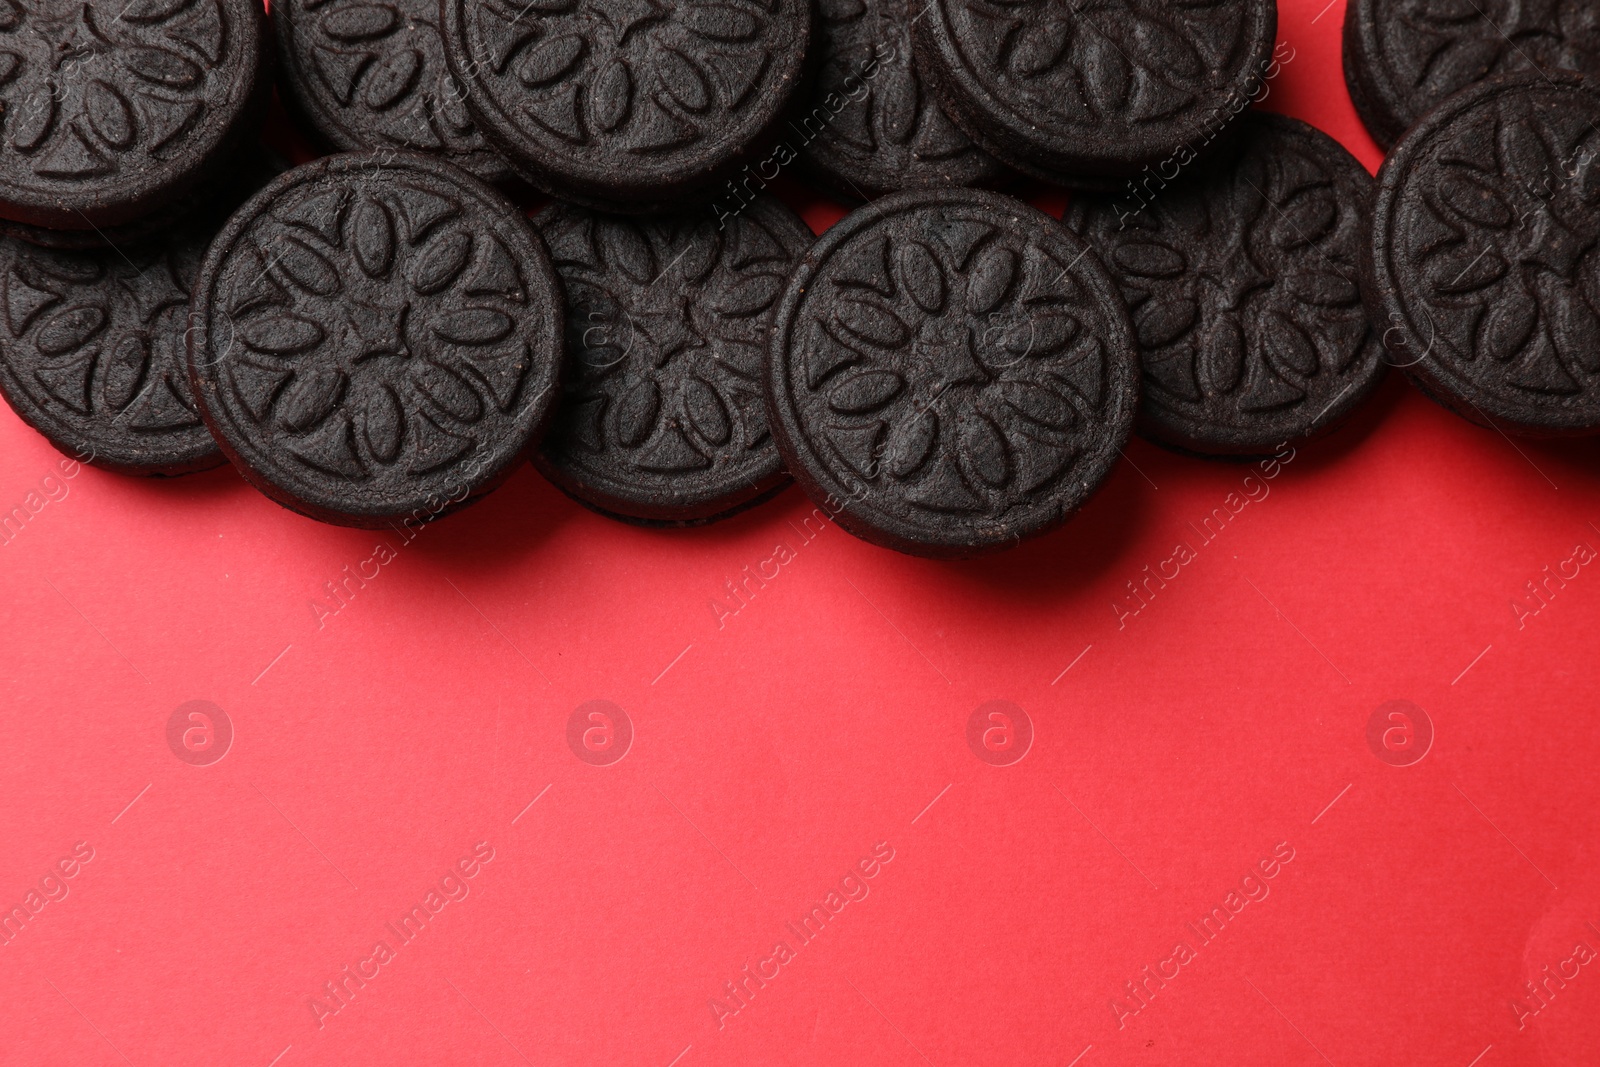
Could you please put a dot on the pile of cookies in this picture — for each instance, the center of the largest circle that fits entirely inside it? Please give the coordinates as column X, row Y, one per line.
column 384, row 335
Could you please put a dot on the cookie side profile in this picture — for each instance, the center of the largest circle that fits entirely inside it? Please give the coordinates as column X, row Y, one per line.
column 661, row 420
column 1481, row 268
column 1084, row 94
column 110, row 116
column 623, row 105
column 1242, row 278
column 953, row 369
column 376, row 338
column 373, row 75
column 1402, row 57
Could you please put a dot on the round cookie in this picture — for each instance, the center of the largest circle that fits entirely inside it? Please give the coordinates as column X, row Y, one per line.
column 373, row 75
column 376, row 337
column 1482, row 265
column 114, row 111
column 953, row 370
column 661, row 419
column 1243, row 282
column 877, row 128
column 626, row 105
column 1401, row 57
column 1083, row 94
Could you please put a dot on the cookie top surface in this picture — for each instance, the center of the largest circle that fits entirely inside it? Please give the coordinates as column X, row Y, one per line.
column 1403, row 56
column 955, row 368
column 375, row 337
column 1482, row 266
column 92, row 351
column 1243, row 282
column 661, row 416
column 373, row 75
column 112, row 110
column 1098, row 88
column 881, row 129
column 625, row 100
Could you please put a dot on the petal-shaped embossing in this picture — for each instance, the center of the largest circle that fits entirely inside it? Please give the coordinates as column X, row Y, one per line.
column 68, row 329
column 440, row 262
column 636, row 411
column 1461, row 270
column 449, row 390
column 1325, row 288
column 857, row 393
column 1307, row 218
column 307, row 267
column 989, row 282
column 1475, row 200
column 626, row 249
column 391, row 79
column 109, row 114
column 707, row 414
column 30, row 121
column 360, row 22
column 1506, row 326
column 124, row 369
column 1049, row 333
column 383, row 424
column 896, row 101
column 1044, row 406
column 372, row 234
column 910, row 442
column 683, row 81
column 163, row 67
column 1149, row 259
column 920, row 275
column 719, row 22
column 1162, row 320
column 280, row 333
column 474, row 326
column 611, row 97
column 1574, row 328
column 749, row 295
column 872, row 323
column 1525, row 157
column 1038, row 47
column 1220, row 359
column 1286, row 347
column 1155, row 47
column 983, row 455
column 550, row 60
column 1105, row 73
column 309, row 398
column 10, row 67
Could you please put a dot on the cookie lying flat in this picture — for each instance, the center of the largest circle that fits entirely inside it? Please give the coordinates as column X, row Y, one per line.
column 1242, row 278
column 1083, row 93
column 1401, row 57
column 954, row 369
column 661, row 419
column 373, row 75
column 1482, row 260
column 376, row 338
column 114, row 111
column 627, row 105
column 873, row 127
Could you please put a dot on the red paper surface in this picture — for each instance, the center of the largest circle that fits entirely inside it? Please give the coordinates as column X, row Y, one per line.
column 820, row 723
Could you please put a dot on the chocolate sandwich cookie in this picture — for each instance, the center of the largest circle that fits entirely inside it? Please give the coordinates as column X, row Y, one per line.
column 661, row 419
column 626, row 105
column 376, row 337
column 1482, row 267
column 870, row 125
column 115, row 111
column 1243, row 279
column 373, row 75
column 1401, row 57
column 952, row 370
column 1084, row 93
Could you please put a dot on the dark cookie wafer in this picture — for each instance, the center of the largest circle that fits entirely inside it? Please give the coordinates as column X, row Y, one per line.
column 954, row 368
column 1242, row 278
column 376, row 337
column 1401, row 57
column 1483, row 264
column 1080, row 93
column 661, row 417
column 115, row 111
column 373, row 75
column 874, row 127
column 626, row 104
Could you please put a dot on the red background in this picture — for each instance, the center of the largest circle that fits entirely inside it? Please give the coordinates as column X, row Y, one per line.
column 775, row 750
